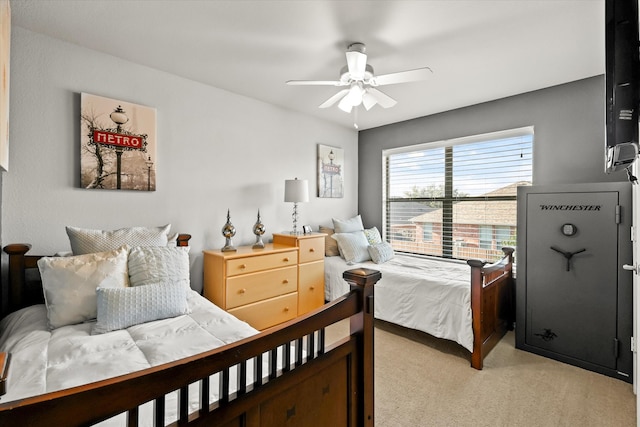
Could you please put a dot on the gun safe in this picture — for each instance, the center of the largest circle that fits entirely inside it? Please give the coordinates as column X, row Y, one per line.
column 574, row 301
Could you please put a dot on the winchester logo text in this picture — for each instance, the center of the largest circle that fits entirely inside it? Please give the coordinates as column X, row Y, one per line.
column 570, row 207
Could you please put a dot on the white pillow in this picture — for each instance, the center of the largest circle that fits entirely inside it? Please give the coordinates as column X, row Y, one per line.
column 373, row 236
column 353, row 246
column 159, row 264
column 119, row 308
column 380, row 253
column 86, row 241
column 348, row 225
column 69, row 283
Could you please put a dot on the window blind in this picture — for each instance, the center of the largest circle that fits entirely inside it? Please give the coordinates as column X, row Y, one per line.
column 458, row 198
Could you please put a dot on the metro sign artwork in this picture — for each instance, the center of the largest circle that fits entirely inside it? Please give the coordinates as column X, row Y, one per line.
column 118, row 144
column 330, row 171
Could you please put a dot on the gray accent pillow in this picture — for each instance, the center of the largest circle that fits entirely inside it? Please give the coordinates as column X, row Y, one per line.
column 159, row 264
column 348, row 225
column 121, row 308
column 381, row 252
column 85, row 241
column 353, row 246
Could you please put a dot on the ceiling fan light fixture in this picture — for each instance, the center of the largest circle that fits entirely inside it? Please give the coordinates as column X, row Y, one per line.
column 355, row 94
column 368, row 100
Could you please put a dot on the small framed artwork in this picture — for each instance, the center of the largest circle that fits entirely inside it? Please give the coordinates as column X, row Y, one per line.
column 306, row 229
column 330, row 171
column 118, row 144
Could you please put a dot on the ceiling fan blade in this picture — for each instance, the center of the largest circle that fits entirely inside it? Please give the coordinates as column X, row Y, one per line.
column 356, row 63
column 384, row 100
column 329, row 102
column 345, row 104
column 368, row 100
column 315, row 83
column 402, row 77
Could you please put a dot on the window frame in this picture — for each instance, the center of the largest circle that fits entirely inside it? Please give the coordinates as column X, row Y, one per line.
column 448, row 243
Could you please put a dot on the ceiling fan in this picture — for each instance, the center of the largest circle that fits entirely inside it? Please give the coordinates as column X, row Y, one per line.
column 360, row 84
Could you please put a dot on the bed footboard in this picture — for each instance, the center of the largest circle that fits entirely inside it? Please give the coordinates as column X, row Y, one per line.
column 318, row 385
column 491, row 304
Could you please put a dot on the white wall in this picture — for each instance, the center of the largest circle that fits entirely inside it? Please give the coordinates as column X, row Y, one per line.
column 216, row 151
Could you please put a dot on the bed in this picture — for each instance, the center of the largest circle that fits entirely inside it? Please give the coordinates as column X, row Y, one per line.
column 202, row 367
column 470, row 303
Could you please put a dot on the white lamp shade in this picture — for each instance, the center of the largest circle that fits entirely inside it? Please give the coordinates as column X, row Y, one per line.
column 296, row 190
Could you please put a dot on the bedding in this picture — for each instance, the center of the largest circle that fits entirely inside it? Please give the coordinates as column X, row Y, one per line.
column 44, row 360
column 433, row 296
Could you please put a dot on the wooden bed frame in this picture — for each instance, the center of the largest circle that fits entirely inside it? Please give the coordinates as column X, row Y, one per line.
column 326, row 385
column 492, row 303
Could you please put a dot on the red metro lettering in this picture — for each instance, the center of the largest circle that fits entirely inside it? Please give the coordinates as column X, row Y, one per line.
column 117, row 139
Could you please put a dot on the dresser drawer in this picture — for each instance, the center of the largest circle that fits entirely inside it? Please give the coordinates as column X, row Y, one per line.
column 259, row 263
column 248, row 288
column 267, row 313
column 311, row 249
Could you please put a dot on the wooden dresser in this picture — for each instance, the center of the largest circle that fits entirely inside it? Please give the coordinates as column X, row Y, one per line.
column 310, row 268
column 263, row 286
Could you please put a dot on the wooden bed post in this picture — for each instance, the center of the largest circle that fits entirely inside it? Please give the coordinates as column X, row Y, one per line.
column 16, row 275
column 364, row 278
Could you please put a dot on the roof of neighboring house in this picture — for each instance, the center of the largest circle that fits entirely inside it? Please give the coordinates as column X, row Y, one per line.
column 501, row 212
column 402, row 212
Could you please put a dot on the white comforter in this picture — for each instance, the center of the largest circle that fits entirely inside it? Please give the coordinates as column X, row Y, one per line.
column 44, row 361
column 433, row 296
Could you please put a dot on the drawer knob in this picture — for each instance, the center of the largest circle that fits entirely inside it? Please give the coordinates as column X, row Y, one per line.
column 286, row 260
column 242, row 291
column 243, row 266
column 286, row 309
column 311, row 287
column 285, row 281
column 312, row 250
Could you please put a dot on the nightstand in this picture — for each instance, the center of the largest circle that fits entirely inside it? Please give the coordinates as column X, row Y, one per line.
column 310, row 267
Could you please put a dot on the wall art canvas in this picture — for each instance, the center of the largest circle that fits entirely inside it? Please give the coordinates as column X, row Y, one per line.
column 5, row 55
column 118, row 144
column 330, row 171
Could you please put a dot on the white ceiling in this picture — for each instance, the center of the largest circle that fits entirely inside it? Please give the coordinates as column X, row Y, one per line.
column 479, row 50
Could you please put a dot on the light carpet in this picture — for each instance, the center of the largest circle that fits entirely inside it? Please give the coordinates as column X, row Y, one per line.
column 424, row 381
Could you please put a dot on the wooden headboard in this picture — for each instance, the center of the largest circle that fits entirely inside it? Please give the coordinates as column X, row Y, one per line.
column 23, row 285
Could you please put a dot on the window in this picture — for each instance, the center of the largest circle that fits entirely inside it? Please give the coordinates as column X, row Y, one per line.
column 457, row 198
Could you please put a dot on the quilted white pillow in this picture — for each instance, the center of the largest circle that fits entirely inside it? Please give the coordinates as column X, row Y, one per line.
column 86, row 241
column 161, row 264
column 119, row 308
column 380, row 253
column 353, row 246
column 70, row 283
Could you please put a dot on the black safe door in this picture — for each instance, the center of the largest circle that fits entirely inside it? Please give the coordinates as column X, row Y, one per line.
column 572, row 240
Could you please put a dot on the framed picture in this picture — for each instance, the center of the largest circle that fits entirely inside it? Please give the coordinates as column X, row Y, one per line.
column 330, row 171
column 306, row 229
column 118, row 144
column 5, row 44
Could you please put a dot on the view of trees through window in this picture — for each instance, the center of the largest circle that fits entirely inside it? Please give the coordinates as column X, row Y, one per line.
column 457, row 199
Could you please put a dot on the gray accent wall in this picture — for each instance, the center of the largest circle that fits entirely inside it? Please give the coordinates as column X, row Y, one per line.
column 568, row 146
